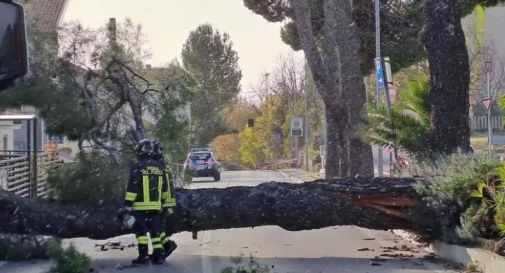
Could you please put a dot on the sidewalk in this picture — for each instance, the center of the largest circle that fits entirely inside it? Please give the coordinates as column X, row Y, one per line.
column 298, row 175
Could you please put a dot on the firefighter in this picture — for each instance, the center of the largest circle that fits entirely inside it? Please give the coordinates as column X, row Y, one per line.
column 169, row 203
column 146, row 190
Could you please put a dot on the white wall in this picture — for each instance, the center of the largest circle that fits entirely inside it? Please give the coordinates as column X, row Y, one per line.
column 6, row 133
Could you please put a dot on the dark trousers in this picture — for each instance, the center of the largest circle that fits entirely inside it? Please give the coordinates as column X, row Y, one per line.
column 148, row 221
column 169, row 222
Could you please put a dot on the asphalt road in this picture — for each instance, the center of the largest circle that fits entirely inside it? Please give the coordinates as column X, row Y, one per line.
column 334, row 249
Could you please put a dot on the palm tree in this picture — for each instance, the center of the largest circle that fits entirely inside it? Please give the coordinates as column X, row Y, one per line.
column 409, row 125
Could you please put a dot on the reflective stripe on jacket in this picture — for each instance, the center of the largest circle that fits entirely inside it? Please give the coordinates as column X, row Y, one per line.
column 168, row 196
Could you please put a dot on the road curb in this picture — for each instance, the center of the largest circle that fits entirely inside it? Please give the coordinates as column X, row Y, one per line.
column 487, row 261
column 291, row 177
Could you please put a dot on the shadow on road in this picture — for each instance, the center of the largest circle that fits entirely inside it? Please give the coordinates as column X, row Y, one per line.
column 215, row 264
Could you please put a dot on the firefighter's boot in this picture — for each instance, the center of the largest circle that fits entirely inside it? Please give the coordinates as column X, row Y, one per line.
column 169, row 246
column 157, row 258
column 141, row 260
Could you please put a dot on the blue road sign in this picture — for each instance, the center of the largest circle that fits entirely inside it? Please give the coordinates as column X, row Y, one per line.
column 379, row 73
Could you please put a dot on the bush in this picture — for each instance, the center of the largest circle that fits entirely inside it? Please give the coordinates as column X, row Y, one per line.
column 68, row 260
column 92, row 179
column 408, row 122
column 468, row 187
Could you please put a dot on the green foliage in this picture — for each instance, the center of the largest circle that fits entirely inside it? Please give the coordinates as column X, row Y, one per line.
column 471, row 187
column 401, row 22
column 269, row 136
column 210, row 59
column 252, row 148
column 501, row 102
column 409, row 125
column 473, row 267
column 251, row 266
column 404, row 46
column 91, row 179
column 177, row 89
column 68, row 260
column 16, row 247
column 53, row 98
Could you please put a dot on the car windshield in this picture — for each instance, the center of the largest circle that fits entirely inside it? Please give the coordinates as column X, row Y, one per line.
column 200, row 156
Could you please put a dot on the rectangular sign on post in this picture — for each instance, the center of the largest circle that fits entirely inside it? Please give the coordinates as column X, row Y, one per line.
column 387, row 69
column 297, row 127
column 379, row 73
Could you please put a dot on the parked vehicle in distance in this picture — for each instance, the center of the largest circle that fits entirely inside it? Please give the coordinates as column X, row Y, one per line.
column 201, row 162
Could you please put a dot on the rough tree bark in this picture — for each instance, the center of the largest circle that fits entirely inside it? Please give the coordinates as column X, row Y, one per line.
column 335, row 67
column 376, row 203
column 444, row 40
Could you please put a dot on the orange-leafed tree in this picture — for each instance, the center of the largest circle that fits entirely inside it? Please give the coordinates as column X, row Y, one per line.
column 227, row 149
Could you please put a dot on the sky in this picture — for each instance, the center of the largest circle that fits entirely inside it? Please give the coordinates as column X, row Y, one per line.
column 167, row 24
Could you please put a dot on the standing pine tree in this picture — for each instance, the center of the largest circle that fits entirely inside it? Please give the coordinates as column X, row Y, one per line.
column 326, row 32
column 210, row 59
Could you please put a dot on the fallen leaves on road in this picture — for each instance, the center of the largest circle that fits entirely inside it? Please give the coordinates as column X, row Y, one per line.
column 364, row 249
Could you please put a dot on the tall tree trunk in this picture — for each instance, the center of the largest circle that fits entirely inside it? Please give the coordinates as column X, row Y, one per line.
column 353, row 90
column 444, row 41
column 335, row 67
column 136, row 107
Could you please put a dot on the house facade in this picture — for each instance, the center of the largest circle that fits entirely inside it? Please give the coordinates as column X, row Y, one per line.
column 44, row 16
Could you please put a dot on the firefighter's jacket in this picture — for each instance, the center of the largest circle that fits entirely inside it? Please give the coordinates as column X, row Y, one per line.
column 148, row 187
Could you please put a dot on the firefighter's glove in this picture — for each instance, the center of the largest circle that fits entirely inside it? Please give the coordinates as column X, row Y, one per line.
column 169, row 211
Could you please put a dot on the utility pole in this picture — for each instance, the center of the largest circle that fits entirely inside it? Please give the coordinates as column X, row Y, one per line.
column 324, row 150
column 377, row 90
column 488, row 88
column 190, row 135
column 306, row 129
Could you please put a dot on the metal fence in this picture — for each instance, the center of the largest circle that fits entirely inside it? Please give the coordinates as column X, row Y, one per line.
column 480, row 122
column 25, row 175
column 178, row 175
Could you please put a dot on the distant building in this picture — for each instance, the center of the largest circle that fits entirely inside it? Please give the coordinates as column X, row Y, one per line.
column 45, row 15
column 42, row 16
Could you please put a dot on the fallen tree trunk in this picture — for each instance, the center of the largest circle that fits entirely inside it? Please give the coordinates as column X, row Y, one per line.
column 375, row 203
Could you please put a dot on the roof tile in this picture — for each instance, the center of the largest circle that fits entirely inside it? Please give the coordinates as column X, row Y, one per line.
column 45, row 14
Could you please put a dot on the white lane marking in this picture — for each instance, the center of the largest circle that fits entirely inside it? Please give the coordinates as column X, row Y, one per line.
column 206, row 262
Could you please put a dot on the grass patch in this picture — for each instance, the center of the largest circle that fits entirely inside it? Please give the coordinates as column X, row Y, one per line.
column 479, row 141
column 14, row 247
